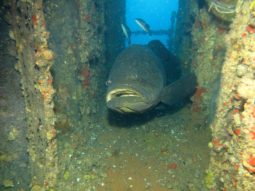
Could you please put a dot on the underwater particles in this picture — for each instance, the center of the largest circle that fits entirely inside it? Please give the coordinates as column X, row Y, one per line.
column 139, row 81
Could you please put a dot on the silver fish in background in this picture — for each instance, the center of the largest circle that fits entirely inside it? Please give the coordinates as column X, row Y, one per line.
column 127, row 33
column 138, row 82
column 141, row 23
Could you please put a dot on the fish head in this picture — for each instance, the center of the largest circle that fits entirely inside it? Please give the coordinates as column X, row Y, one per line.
column 137, row 78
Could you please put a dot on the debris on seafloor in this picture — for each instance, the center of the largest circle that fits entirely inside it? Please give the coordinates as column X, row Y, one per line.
column 13, row 134
column 8, row 183
column 85, row 76
column 172, row 166
column 197, row 99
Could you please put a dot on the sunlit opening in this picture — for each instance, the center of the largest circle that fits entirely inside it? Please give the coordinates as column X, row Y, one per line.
column 159, row 15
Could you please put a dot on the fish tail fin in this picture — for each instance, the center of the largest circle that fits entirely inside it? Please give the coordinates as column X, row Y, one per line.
column 179, row 90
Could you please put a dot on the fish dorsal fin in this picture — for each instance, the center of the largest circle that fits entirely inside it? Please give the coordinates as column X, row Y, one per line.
column 171, row 63
column 178, row 90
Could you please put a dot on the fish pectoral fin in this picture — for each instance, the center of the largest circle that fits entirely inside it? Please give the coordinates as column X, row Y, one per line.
column 178, row 90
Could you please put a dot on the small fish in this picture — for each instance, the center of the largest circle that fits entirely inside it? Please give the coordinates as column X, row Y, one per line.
column 141, row 23
column 126, row 31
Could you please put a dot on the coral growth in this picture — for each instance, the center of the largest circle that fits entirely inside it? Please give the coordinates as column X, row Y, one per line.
column 85, row 76
column 197, row 99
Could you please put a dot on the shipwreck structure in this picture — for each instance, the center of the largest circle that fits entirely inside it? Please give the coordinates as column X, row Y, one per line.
column 63, row 50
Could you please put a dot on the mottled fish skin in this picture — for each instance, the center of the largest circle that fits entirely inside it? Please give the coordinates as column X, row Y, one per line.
column 172, row 64
column 179, row 90
column 143, row 25
column 137, row 78
column 139, row 82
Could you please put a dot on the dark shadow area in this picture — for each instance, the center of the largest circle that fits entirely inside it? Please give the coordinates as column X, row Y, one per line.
column 201, row 3
column 171, row 63
column 14, row 168
column 131, row 120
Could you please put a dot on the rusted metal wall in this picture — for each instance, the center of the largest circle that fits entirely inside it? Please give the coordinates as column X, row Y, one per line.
column 13, row 144
column 79, row 70
column 34, row 64
column 77, row 38
column 115, row 16
column 183, row 39
column 232, row 164
column 222, row 56
column 72, row 64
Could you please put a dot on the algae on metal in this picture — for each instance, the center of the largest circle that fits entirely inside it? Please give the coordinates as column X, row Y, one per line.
column 34, row 64
column 225, row 93
column 76, row 64
column 78, row 72
column 225, row 10
column 232, row 130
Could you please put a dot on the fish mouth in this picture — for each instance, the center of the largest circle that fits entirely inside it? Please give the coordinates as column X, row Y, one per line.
column 118, row 93
column 126, row 101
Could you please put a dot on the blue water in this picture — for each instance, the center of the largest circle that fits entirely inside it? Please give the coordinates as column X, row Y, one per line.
column 156, row 13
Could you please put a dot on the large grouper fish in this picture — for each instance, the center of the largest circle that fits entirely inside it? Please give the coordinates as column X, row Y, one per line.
column 138, row 80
